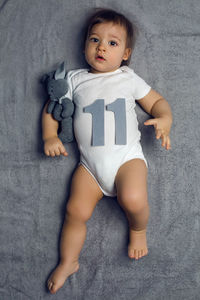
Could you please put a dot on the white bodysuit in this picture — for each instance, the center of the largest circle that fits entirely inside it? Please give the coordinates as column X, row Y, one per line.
column 105, row 122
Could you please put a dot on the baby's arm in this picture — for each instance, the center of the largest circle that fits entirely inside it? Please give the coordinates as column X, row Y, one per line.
column 154, row 104
column 52, row 144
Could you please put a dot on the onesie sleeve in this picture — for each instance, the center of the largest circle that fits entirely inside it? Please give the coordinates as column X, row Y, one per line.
column 141, row 88
column 69, row 78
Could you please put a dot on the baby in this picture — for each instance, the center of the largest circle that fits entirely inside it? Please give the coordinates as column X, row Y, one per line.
column 106, row 130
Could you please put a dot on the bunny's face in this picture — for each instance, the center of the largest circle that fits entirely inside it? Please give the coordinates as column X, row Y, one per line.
column 57, row 88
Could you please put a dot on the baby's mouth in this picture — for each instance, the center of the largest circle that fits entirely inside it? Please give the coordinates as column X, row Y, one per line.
column 99, row 57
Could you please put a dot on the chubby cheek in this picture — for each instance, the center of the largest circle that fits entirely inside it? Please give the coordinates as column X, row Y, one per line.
column 88, row 52
column 88, row 58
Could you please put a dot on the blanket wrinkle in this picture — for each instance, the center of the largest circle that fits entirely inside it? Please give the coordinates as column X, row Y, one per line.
column 19, row 291
column 3, row 4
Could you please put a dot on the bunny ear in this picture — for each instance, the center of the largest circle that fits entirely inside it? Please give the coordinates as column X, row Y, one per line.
column 60, row 72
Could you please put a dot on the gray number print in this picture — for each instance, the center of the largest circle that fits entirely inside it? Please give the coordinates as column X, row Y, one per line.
column 97, row 109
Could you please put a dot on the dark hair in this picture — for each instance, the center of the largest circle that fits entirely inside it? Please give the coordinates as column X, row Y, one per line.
column 102, row 15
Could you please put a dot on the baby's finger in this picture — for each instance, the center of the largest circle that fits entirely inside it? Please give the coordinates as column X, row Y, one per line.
column 164, row 140
column 63, row 150
column 65, row 153
column 57, row 151
column 151, row 122
column 46, row 152
column 158, row 133
column 168, row 144
column 52, row 153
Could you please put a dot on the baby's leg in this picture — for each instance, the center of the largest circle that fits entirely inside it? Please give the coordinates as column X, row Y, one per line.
column 85, row 193
column 131, row 183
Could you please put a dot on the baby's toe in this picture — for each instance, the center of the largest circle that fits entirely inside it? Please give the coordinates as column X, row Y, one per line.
column 53, row 289
column 136, row 255
column 131, row 253
column 139, row 253
column 49, row 284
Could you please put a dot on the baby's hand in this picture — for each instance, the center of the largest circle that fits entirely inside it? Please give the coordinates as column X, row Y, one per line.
column 162, row 127
column 54, row 147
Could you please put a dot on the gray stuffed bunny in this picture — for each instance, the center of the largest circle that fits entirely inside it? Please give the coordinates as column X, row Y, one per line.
column 59, row 106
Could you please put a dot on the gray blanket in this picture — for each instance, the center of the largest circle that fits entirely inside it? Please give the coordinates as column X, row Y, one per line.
column 35, row 37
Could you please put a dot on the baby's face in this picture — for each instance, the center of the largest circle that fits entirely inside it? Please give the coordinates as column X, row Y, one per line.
column 105, row 47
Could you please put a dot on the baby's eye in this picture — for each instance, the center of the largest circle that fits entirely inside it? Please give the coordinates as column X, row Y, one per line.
column 113, row 43
column 94, row 40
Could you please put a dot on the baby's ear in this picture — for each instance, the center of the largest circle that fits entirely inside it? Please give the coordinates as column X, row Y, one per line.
column 60, row 72
column 127, row 53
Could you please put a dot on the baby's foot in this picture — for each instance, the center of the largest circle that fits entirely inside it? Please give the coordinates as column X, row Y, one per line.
column 137, row 247
column 60, row 274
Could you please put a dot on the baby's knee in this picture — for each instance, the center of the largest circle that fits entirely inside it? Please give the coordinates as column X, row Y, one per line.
column 77, row 213
column 133, row 201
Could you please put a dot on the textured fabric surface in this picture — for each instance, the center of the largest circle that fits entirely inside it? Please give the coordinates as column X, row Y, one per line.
column 35, row 37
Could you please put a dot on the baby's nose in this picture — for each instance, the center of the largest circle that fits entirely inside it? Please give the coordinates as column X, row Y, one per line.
column 101, row 46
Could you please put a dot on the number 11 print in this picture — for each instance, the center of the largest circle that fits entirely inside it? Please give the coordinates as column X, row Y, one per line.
column 97, row 110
